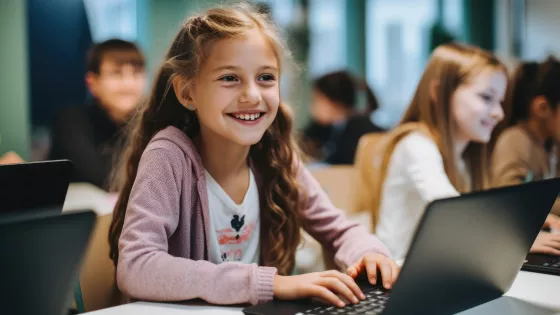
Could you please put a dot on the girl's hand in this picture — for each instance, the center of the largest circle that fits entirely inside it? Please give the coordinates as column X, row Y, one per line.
column 370, row 263
column 547, row 243
column 328, row 286
column 10, row 158
column 552, row 221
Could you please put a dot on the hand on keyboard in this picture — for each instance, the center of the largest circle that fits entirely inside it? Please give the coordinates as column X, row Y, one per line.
column 552, row 222
column 547, row 243
column 326, row 286
column 371, row 264
column 374, row 304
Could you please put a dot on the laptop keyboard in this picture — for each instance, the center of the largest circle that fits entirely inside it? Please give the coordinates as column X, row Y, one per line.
column 374, row 304
column 553, row 264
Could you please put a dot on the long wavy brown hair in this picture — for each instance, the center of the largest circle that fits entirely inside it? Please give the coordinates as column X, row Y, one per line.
column 275, row 156
column 450, row 65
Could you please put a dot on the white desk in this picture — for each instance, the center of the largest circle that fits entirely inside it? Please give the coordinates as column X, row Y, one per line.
column 537, row 288
column 87, row 196
column 531, row 287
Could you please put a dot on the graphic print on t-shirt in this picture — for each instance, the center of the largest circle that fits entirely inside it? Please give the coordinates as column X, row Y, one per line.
column 237, row 234
column 237, row 224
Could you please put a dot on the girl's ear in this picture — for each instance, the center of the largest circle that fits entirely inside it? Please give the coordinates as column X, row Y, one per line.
column 434, row 86
column 91, row 82
column 540, row 107
column 180, row 89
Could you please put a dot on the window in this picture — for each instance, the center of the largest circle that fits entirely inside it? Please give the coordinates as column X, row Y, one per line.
column 397, row 47
column 327, row 51
column 112, row 19
column 327, row 39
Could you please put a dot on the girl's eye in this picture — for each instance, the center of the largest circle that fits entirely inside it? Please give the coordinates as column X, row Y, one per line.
column 266, row 77
column 228, row 78
column 487, row 98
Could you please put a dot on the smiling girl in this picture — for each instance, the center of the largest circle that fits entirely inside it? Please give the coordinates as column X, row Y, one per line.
column 439, row 148
column 213, row 195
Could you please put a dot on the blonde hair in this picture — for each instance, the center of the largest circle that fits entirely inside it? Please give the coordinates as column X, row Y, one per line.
column 451, row 65
column 274, row 156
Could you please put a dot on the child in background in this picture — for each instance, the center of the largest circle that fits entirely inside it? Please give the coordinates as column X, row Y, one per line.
column 439, row 148
column 10, row 158
column 527, row 149
column 213, row 195
column 89, row 135
column 338, row 122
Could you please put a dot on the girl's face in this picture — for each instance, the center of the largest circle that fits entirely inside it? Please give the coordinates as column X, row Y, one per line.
column 553, row 124
column 548, row 117
column 476, row 106
column 117, row 87
column 236, row 92
column 325, row 111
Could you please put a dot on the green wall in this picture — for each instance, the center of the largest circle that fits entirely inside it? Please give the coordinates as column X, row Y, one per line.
column 14, row 86
column 356, row 36
column 159, row 22
column 479, row 17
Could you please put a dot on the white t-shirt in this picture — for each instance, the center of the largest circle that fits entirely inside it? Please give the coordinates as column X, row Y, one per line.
column 236, row 227
column 416, row 176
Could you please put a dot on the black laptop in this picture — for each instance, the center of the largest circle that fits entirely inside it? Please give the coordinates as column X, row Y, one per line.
column 466, row 251
column 543, row 264
column 35, row 186
column 40, row 262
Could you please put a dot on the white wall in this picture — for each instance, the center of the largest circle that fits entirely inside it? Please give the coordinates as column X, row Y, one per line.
column 503, row 32
column 542, row 29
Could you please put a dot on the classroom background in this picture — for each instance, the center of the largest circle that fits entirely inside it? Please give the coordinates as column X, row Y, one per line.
column 43, row 47
column 385, row 43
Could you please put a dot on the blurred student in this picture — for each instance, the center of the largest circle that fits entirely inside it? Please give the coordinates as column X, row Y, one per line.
column 10, row 158
column 337, row 122
column 527, row 149
column 439, row 148
column 89, row 135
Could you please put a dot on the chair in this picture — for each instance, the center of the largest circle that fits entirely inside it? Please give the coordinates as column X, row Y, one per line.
column 368, row 146
column 97, row 288
column 339, row 182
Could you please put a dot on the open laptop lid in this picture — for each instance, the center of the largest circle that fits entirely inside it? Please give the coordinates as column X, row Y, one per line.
column 468, row 250
column 34, row 185
column 28, row 214
column 40, row 262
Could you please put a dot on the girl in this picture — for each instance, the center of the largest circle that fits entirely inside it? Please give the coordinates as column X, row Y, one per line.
column 338, row 123
column 438, row 150
column 526, row 149
column 213, row 186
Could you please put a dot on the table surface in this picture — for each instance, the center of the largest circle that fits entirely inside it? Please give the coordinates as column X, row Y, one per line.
column 539, row 289
column 82, row 196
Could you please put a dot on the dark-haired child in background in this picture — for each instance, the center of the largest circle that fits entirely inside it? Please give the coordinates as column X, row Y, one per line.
column 338, row 122
column 89, row 135
column 526, row 149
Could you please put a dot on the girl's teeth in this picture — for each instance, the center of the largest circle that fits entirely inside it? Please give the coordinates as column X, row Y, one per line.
column 248, row 116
